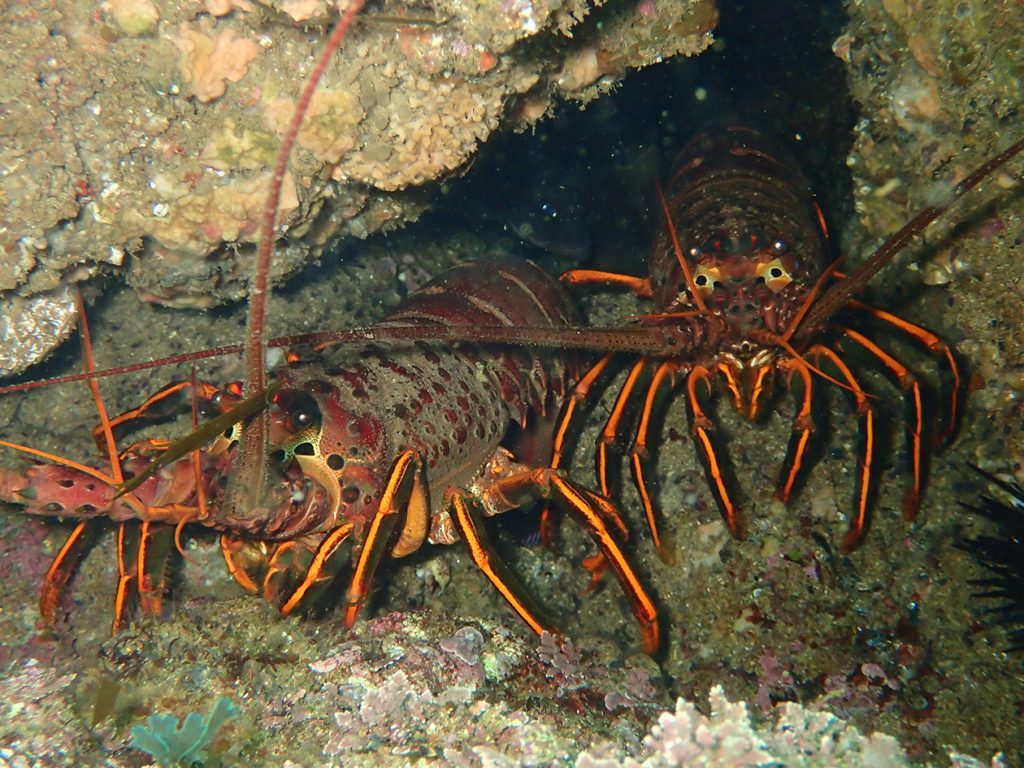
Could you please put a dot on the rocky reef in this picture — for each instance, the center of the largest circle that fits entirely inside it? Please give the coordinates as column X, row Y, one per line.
column 941, row 88
column 138, row 135
column 888, row 638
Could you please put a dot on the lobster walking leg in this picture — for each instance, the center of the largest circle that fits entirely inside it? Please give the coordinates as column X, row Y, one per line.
column 469, row 521
column 862, row 496
column 611, row 429
column 803, row 427
column 62, row 568
column 937, row 347
column 329, row 549
column 589, row 510
column 908, row 382
column 638, row 456
column 575, row 400
column 394, row 507
column 701, row 426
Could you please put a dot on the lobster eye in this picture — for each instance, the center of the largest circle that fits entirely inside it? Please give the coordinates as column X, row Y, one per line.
column 300, row 410
column 780, row 247
column 774, row 274
column 706, row 279
column 302, row 419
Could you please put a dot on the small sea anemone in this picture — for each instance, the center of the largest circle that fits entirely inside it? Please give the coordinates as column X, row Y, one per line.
column 1002, row 555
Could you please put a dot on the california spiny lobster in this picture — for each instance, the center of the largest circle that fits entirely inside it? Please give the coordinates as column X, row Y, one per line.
column 366, row 447
column 384, row 449
column 740, row 275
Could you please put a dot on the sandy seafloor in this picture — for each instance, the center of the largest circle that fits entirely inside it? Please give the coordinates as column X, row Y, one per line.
column 888, row 636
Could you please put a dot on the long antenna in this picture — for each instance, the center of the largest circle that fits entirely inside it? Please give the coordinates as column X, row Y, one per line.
column 837, row 296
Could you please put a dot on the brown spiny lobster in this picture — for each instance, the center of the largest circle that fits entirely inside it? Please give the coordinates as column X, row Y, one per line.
column 743, row 289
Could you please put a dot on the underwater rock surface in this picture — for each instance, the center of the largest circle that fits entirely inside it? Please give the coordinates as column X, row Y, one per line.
column 887, row 637
column 138, row 137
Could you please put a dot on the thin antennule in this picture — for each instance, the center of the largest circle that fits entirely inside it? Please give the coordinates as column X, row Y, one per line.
column 255, row 348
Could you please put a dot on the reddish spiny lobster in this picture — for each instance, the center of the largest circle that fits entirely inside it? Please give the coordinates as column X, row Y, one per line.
column 740, row 284
column 358, row 446
column 384, row 449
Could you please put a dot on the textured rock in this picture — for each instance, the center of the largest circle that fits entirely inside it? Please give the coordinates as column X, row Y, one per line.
column 147, row 128
column 941, row 89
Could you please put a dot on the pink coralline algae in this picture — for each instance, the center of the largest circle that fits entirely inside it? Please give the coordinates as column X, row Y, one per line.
column 729, row 738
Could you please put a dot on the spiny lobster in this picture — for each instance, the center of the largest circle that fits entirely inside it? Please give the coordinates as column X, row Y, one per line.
column 384, row 449
column 741, row 286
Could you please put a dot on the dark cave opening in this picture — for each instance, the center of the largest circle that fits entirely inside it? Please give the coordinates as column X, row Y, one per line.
column 579, row 188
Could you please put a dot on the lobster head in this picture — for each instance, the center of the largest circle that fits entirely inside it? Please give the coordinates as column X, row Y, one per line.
column 322, row 459
column 741, row 220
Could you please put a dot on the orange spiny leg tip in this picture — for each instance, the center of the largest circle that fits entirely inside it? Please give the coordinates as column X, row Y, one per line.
column 852, row 539
column 665, row 552
column 547, row 528
column 911, row 505
column 735, row 526
column 597, row 566
column 650, row 630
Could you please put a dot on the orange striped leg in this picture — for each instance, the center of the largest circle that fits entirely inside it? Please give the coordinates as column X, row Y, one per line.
column 597, row 564
column 126, row 580
column 286, row 560
column 638, row 457
column 762, row 380
column 611, row 427
column 752, row 409
column 912, row 394
column 578, row 396
column 143, row 556
column 863, row 492
column 594, row 513
column 239, row 560
column 152, row 561
column 701, row 426
column 937, row 347
column 314, row 574
column 394, row 502
column 803, row 426
column 579, row 502
column 127, row 576
column 639, row 286
column 61, row 569
column 732, row 383
column 466, row 515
